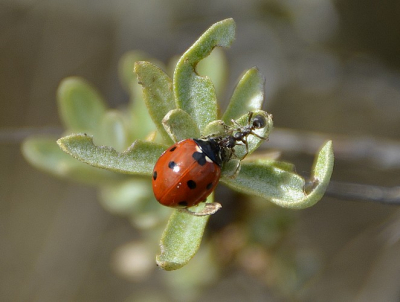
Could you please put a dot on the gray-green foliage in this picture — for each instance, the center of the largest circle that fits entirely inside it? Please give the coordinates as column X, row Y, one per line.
column 178, row 108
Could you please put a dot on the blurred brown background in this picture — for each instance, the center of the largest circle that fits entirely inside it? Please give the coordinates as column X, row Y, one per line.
column 330, row 66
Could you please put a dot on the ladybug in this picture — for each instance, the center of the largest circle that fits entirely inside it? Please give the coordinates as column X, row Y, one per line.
column 188, row 171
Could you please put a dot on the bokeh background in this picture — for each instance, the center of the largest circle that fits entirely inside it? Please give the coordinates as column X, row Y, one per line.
column 331, row 68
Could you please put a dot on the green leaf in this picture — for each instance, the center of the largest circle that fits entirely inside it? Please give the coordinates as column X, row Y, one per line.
column 113, row 131
column 44, row 154
column 322, row 172
column 193, row 93
column 262, row 179
column 248, row 95
column 181, row 239
column 139, row 158
column 215, row 67
column 280, row 186
column 138, row 119
column 180, row 125
column 126, row 66
column 157, row 91
column 80, row 105
column 128, row 196
column 215, row 128
column 172, row 62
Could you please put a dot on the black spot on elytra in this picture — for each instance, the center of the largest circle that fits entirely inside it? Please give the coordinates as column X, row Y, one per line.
column 209, row 186
column 171, row 164
column 172, row 149
column 191, row 184
column 200, row 157
column 183, row 203
column 155, row 175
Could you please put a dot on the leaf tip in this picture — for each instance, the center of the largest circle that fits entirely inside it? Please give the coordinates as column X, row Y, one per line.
column 137, row 65
column 324, row 162
column 165, row 264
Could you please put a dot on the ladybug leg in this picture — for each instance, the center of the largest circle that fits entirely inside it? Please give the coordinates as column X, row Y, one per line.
column 209, row 209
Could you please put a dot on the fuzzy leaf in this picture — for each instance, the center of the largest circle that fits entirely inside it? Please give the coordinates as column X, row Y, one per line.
column 322, row 172
column 128, row 196
column 215, row 128
column 282, row 187
column 215, row 67
column 247, row 96
column 180, row 125
column 125, row 68
column 157, row 91
column 139, row 158
column 262, row 179
column 141, row 122
column 181, row 239
column 44, row 154
column 138, row 117
column 113, row 131
column 193, row 93
column 80, row 105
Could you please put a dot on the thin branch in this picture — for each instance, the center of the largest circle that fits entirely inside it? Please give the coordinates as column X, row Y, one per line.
column 16, row 136
column 383, row 152
column 362, row 192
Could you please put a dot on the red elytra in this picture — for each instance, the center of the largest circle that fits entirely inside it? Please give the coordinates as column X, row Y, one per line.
column 186, row 173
